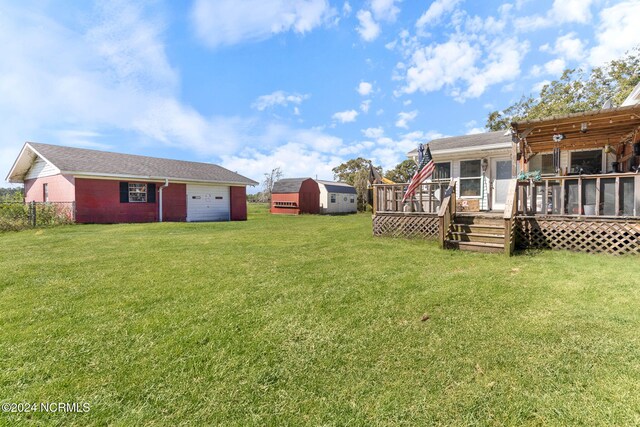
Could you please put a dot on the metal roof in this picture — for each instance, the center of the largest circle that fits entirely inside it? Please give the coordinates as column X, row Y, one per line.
column 468, row 142
column 81, row 161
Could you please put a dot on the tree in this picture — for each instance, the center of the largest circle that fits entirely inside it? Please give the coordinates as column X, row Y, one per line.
column 403, row 172
column 355, row 172
column 270, row 179
column 575, row 91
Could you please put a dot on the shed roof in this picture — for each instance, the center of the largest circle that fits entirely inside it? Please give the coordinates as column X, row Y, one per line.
column 288, row 185
column 82, row 161
column 497, row 139
column 338, row 187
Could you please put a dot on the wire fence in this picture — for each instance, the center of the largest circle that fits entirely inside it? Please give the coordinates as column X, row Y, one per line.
column 19, row 215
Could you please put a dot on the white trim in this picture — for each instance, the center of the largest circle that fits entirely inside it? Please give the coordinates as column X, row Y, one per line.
column 15, row 163
column 119, row 177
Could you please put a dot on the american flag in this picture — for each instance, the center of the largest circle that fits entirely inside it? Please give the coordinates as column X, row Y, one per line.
column 425, row 170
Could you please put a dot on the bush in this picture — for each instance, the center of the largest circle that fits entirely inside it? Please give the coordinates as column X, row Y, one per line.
column 15, row 214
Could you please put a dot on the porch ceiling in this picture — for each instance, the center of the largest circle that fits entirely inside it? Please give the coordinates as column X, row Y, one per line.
column 610, row 126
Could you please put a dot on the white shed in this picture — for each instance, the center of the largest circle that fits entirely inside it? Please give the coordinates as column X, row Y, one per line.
column 337, row 197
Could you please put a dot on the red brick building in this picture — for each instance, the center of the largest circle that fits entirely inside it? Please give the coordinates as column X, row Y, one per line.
column 110, row 187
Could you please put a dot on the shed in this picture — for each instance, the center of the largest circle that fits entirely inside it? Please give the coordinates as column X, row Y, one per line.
column 295, row 196
column 106, row 187
column 337, row 197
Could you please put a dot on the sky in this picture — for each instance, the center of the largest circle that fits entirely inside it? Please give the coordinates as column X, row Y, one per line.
column 303, row 85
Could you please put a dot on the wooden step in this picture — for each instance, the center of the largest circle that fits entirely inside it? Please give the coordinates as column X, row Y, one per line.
column 474, row 246
column 479, row 220
column 483, row 228
column 477, row 237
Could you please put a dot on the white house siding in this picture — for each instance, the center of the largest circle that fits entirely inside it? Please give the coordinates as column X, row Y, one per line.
column 485, row 199
column 41, row 169
column 340, row 206
column 208, row 203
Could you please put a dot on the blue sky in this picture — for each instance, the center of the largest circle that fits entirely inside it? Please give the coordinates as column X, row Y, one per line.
column 302, row 84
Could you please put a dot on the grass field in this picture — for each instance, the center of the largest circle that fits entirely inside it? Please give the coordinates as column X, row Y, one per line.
column 310, row 320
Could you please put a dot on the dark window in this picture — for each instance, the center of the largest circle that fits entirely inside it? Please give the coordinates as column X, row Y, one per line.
column 442, row 171
column 546, row 167
column 45, row 192
column 333, row 198
column 470, row 174
column 586, row 162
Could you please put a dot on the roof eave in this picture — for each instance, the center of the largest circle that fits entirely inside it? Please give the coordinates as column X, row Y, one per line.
column 79, row 174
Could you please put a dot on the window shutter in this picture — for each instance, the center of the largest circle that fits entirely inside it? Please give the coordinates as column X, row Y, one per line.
column 124, row 192
column 151, row 193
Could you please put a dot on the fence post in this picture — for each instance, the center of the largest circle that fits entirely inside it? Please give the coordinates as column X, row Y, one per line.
column 32, row 213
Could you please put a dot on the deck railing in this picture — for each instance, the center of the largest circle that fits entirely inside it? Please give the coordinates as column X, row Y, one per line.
column 606, row 195
column 447, row 212
column 387, row 198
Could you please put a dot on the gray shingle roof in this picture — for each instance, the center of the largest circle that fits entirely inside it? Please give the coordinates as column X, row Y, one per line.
column 338, row 187
column 288, row 185
column 471, row 142
column 94, row 162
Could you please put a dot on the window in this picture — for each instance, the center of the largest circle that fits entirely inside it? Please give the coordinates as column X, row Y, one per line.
column 470, row 175
column 546, row 166
column 442, row 171
column 45, row 192
column 137, row 193
column 353, row 199
column 586, row 162
column 333, row 198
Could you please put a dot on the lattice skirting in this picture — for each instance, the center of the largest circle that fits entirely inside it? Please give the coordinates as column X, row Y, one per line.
column 615, row 236
column 406, row 225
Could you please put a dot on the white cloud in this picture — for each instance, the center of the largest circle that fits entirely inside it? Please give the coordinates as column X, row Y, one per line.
column 346, row 9
column 278, row 98
column 618, row 31
column 373, row 132
column 436, row 10
column 368, row 29
column 466, row 64
column 405, row 117
column 475, row 130
column 346, row 116
column 364, row 88
column 384, row 10
column 555, row 67
column 570, row 47
column 365, row 105
column 538, row 86
column 228, row 22
column 561, row 12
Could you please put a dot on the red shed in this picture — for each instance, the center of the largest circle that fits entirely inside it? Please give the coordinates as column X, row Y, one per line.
column 294, row 196
column 107, row 187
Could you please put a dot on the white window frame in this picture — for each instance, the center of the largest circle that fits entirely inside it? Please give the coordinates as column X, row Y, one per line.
column 137, row 189
column 468, row 178
column 450, row 171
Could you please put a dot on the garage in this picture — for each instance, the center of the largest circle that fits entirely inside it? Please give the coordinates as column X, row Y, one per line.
column 208, row 203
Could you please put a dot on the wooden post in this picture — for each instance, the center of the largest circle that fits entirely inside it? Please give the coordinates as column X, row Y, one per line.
column 510, row 207
column 579, row 195
column 597, row 196
column 562, row 202
column 617, row 198
column 374, row 205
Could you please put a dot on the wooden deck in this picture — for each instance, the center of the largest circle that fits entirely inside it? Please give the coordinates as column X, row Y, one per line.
column 530, row 220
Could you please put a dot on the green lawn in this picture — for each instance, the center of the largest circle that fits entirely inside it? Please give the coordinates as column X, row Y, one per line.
column 310, row 320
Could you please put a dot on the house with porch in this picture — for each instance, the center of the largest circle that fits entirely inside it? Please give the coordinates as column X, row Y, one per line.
column 579, row 190
column 480, row 164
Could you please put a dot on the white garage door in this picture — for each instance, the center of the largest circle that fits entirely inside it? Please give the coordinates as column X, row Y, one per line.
column 207, row 203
